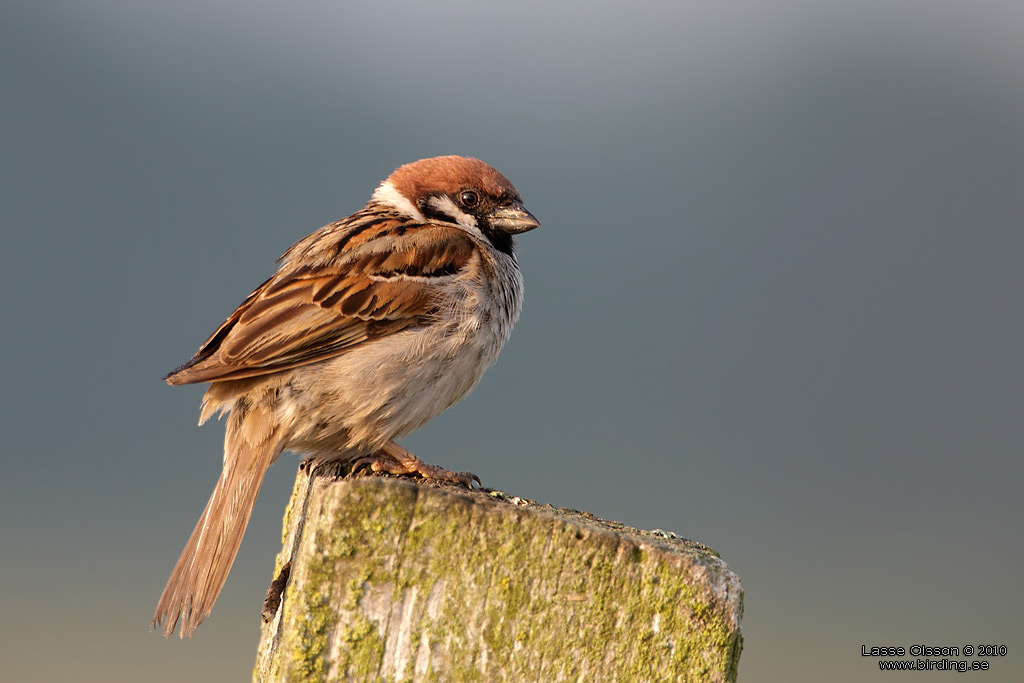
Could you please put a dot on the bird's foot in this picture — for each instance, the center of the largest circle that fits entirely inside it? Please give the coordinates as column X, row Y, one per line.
column 393, row 459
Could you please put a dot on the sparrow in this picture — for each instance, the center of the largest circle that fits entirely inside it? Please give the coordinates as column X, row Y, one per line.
column 370, row 327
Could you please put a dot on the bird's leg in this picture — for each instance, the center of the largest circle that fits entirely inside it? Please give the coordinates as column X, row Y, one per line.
column 394, row 459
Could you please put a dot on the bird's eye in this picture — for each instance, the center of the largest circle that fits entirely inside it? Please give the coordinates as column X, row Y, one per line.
column 469, row 198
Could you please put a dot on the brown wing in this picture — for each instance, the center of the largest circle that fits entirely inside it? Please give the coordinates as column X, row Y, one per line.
column 365, row 283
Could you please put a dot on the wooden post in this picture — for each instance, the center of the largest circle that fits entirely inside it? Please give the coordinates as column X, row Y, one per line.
column 389, row 579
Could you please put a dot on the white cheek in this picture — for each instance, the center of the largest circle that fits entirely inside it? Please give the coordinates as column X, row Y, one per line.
column 444, row 204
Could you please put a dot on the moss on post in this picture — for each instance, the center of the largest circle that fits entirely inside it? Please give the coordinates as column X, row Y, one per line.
column 395, row 580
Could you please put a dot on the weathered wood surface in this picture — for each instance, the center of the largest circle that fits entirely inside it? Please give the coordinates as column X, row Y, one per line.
column 394, row 580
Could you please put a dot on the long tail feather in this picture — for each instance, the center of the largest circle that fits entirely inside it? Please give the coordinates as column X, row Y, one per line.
column 251, row 445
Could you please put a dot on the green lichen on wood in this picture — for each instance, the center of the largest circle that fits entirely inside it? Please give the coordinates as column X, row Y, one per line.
column 363, row 649
column 308, row 601
column 524, row 591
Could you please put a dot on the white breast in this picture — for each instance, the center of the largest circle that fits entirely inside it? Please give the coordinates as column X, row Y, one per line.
column 349, row 406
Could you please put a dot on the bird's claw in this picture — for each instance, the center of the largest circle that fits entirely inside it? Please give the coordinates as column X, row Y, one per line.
column 394, row 462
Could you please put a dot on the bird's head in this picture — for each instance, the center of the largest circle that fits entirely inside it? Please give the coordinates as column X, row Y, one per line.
column 459, row 191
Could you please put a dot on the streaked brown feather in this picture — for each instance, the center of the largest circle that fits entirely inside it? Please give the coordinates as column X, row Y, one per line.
column 379, row 284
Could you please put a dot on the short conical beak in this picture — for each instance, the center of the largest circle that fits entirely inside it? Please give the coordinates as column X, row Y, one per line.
column 513, row 219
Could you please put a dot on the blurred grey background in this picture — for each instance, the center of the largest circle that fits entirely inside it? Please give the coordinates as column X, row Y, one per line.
column 775, row 304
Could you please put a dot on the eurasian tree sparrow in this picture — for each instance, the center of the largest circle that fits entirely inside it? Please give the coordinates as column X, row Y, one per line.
column 370, row 327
